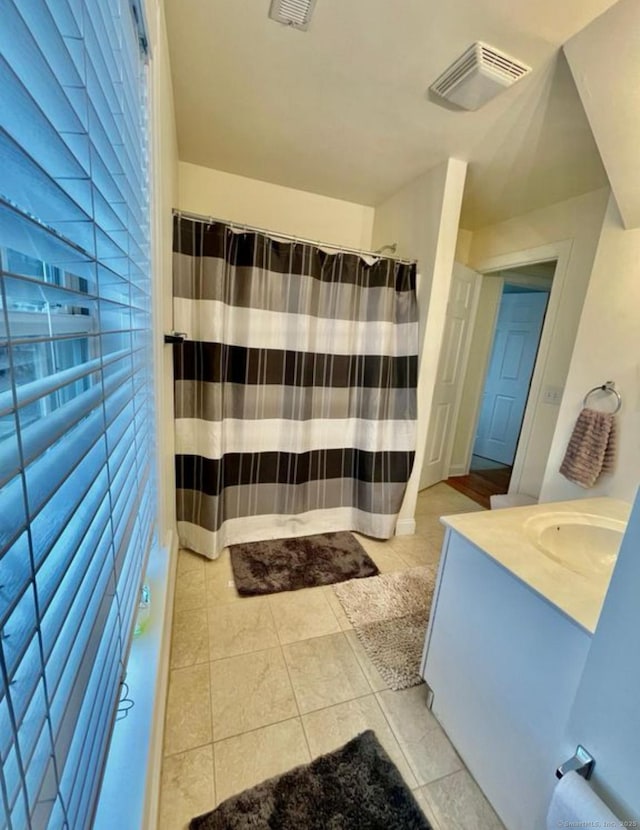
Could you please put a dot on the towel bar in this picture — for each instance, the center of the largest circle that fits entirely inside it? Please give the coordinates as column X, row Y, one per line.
column 609, row 387
column 582, row 763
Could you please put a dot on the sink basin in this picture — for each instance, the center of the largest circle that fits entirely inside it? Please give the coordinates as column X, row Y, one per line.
column 582, row 542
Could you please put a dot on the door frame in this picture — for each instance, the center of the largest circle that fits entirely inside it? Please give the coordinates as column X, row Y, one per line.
column 560, row 252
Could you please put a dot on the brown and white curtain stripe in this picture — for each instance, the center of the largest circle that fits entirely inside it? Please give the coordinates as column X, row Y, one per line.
column 296, row 390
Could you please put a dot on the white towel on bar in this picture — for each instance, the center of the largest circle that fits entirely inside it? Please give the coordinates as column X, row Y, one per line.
column 574, row 804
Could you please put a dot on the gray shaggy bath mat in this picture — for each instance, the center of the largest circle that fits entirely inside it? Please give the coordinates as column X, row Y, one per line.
column 302, row 562
column 389, row 614
column 357, row 787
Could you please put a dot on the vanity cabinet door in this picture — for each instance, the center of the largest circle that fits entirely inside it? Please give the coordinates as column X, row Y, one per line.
column 503, row 665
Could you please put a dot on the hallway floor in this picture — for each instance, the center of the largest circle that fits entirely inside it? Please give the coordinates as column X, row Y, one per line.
column 259, row 685
column 485, row 478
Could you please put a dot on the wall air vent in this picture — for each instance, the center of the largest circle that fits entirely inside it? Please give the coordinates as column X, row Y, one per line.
column 478, row 75
column 295, row 13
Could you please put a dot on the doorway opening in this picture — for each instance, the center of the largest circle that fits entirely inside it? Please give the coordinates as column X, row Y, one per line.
column 503, row 351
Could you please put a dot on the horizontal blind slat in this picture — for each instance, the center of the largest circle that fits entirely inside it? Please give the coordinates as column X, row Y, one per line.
column 69, row 651
column 31, row 129
column 25, row 182
column 25, row 233
column 42, row 387
column 94, row 714
column 62, row 526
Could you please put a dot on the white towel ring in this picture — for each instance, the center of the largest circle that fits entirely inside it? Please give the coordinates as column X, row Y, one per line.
column 605, row 387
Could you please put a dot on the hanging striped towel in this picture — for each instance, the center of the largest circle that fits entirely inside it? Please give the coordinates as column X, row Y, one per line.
column 592, row 448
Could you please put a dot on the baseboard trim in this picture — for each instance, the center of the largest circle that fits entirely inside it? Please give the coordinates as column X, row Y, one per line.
column 458, row 470
column 405, row 527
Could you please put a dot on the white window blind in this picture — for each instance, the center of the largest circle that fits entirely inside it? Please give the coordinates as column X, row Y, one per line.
column 77, row 507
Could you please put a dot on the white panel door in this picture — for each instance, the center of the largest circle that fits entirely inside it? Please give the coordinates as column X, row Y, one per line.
column 506, row 388
column 456, row 339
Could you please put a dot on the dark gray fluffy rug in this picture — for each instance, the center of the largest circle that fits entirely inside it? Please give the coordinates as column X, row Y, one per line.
column 357, row 787
column 302, row 562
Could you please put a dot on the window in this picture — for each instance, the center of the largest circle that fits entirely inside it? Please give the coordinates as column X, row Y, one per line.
column 77, row 509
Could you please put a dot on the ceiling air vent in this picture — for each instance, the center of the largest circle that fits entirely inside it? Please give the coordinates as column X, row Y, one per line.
column 295, row 13
column 477, row 76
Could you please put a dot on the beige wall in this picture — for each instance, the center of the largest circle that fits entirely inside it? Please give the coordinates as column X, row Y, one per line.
column 423, row 219
column 275, row 208
column 164, row 193
column 463, row 246
column 576, row 222
column 604, row 62
column 607, row 348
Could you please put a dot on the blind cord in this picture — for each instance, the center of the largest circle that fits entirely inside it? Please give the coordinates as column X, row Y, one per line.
column 126, row 703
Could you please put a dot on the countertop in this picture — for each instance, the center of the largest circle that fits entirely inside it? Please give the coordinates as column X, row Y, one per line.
column 500, row 534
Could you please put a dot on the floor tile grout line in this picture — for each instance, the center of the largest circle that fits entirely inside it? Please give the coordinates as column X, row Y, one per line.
column 360, row 661
column 306, row 736
column 295, row 694
column 326, row 709
column 335, row 616
column 269, row 603
column 280, row 720
column 338, row 703
column 190, row 665
column 326, row 590
column 210, row 608
column 396, row 738
column 400, row 741
column 173, row 631
column 397, row 553
column 266, row 648
column 463, row 769
column 448, row 775
column 431, row 818
column 169, row 678
column 359, row 664
column 211, row 707
column 410, row 765
column 293, row 689
column 184, row 751
column 249, row 651
column 272, row 597
column 257, row 728
column 246, row 653
column 315, row 637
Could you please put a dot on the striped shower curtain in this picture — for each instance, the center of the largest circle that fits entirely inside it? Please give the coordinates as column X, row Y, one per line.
column 295, row 392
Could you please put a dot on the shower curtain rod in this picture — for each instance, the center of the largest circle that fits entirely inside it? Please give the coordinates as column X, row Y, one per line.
column 290, row 238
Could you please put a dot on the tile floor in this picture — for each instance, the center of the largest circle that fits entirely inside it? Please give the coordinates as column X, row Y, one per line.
column 259, row 685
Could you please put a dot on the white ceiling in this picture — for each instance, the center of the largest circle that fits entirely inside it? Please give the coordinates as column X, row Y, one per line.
column 342, row 109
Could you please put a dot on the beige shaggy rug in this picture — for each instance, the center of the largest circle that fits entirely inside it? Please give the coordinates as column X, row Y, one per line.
column 389, row 614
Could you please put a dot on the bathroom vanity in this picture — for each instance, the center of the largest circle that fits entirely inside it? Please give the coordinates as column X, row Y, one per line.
column 518, row 596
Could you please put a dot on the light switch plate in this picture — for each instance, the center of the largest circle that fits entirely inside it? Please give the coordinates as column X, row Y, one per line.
column 552, row 394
